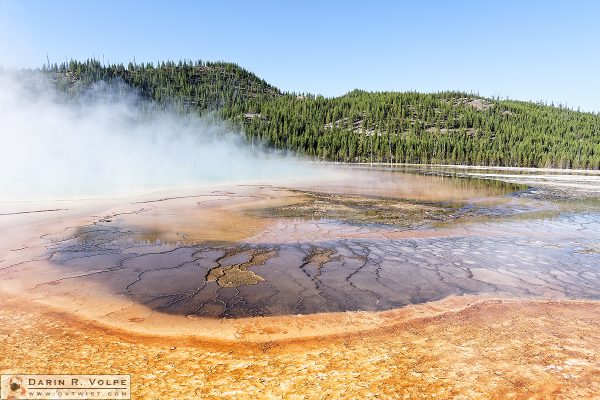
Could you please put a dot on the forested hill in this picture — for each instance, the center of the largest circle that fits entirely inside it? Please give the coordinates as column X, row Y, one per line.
column 447, row 127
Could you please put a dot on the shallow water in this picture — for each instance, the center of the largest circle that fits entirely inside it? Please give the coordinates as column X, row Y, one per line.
column 370, row 239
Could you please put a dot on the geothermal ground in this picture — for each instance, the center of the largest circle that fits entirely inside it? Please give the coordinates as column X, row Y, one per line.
column 386, row 283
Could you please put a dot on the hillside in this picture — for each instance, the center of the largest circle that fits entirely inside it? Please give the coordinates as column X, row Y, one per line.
column 446, row 127
column 199, row 85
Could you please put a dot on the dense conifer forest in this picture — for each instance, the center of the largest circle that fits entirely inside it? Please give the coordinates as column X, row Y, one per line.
column 389, row 127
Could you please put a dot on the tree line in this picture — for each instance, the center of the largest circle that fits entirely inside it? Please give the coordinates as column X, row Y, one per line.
column 390, row 127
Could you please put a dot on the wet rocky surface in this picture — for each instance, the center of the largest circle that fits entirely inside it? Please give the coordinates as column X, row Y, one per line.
column 372, row 241
column 355, row 209
column 304, row 267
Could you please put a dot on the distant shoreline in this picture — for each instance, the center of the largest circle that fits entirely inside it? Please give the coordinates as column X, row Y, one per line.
column 472, row 167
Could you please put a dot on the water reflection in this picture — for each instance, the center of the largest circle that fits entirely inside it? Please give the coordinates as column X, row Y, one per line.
column 370, row 239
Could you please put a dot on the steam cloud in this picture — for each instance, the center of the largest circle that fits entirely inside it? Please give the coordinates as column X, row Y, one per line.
column 103, row 143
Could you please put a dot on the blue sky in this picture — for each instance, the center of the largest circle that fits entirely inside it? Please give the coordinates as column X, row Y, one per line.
column 528, row 50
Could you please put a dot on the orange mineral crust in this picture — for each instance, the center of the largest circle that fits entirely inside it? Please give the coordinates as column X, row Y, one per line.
column 458, row 348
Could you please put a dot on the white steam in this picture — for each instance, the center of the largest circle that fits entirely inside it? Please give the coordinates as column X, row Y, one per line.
column 103, row 143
